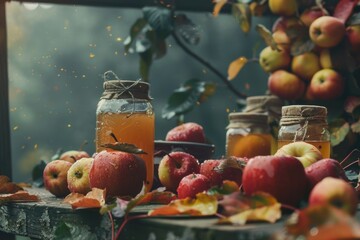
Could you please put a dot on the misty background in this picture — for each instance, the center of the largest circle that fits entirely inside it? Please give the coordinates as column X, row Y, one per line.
column 57, row 57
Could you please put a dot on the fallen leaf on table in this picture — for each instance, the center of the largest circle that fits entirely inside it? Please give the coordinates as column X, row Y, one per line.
column 19, row 196
column 202, row 205
column 240, row 208
column 6, row 186
column 93, row 199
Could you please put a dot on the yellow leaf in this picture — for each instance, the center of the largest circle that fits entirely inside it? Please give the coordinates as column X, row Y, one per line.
column 267, row 213
column 218, row 6
column 202, row 205
column 235, row 67
column 267, row 36
column 242, row 14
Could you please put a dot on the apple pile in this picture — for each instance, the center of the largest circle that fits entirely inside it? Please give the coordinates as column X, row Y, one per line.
column 120, row 173
column 296, row 173
column 302, row 65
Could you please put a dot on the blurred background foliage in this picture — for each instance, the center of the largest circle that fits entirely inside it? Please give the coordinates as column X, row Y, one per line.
column 59, row 53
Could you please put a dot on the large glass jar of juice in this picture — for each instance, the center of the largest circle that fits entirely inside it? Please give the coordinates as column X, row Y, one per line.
column 125, row 111
column 305, row 123
column 248, row 135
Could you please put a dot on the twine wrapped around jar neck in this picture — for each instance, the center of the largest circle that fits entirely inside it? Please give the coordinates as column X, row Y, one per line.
column 122, row 89
column 303, row 115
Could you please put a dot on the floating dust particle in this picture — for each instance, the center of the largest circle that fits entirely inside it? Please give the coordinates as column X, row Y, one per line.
column 116, row 53
column 227, row 110
column 83, row 76
column 204, row 71
column 169, row 45
column 69, row 125
column 108, row 28
column 247, row 86
column 36, row 146
column 15, row 128
column 91, row 55
column 13, row 109
column 125, row 54
column 118, row 39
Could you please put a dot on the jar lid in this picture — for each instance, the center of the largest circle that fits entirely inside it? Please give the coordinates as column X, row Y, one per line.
column 244, row 120
column 268, row 104
column 293, row 114
column 121, row 89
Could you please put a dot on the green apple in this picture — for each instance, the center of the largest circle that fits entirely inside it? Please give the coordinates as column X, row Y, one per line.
column 78, row 176
column 271, row 59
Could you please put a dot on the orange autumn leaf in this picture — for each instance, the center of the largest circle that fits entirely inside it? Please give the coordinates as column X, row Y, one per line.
column 6, row 186
column 156, row 197
column 219, row 4
column 240, row 208
column 235, row 67
column 202, row 205
column 93, row 199
column 19, row 196
column 329, row 222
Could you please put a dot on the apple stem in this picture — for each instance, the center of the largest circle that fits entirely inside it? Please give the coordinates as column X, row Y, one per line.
column 113, row 136
column 126, row 220
column 112, row 225
column 288, row 207
column 342, row 163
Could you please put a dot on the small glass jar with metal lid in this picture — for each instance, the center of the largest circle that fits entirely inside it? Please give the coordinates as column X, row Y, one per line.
column 306, row 123
column 248, row 135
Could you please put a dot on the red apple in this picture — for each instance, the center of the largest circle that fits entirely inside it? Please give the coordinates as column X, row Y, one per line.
column 310, row 15
column 174, row 166
column 120, row 173
column 187, row 132
column 327, row 31
column 306, row 153
column 286, row 85
column 55, row 177
column 78, row 176
column 336, row 192
column 208, row 168
column 282, row 177
column 323, row 168
column 326, row 84
column 73, row 155
column 271, row 60
column 192, row 184
column 353, row 37
column 305, row 65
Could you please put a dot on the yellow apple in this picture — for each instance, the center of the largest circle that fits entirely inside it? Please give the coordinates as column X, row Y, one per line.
column 271, row 60
column 325, row 58
column 305, row 65
column 283, row 7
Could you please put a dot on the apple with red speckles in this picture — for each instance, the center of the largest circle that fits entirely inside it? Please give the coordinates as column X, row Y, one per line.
column 327, row 31
column 55, row 177
column 192, row 184
column 282, row 177
column 120, row 173
column 73, row 155
column 174, row 166
column 336, row 192
column 323, row 168
column 216, row 177
column 187, row 132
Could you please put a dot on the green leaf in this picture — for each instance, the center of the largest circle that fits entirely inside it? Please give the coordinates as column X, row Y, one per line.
column 37, row 173
column 242, row 13
column 186, row 97
column 135, row 29
column 339, row 130
column 188, row 31
column 57, row 154
column 160, row 19
column 67, row 231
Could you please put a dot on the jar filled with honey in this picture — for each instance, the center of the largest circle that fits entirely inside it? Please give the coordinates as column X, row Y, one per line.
column 248, row 135
column 306, row 123
column 125, row 111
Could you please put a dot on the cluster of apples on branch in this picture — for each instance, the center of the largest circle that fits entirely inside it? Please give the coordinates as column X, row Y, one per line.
column 312, row 50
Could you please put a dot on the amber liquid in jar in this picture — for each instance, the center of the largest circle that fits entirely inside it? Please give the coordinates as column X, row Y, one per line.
column 323, row 146
column 249, row 145
column 136, row 128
